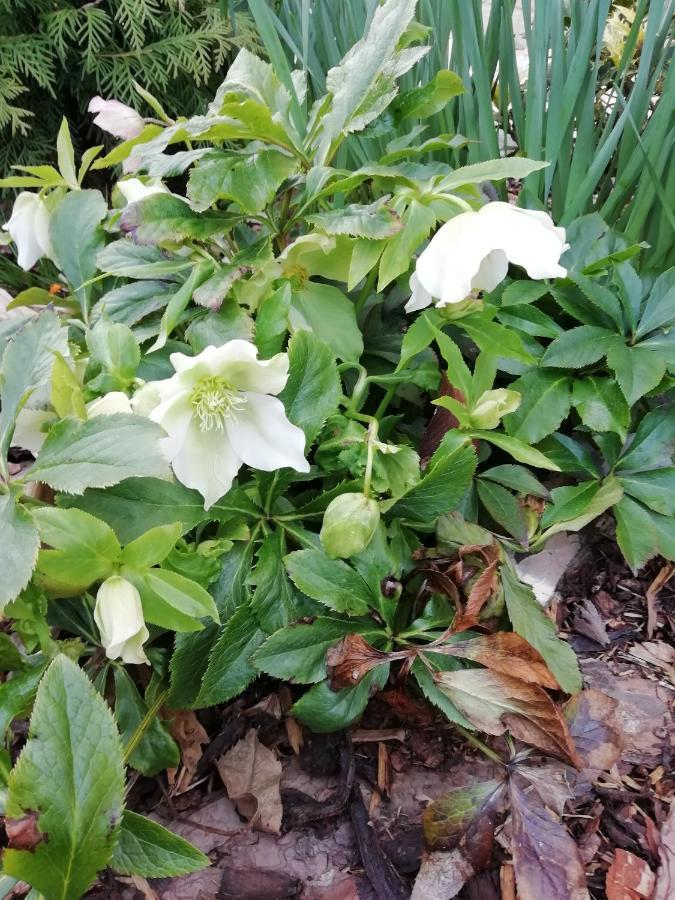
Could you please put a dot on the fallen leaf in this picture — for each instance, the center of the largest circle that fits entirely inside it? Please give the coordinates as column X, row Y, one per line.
column 629, row 878
column 251, row 774
column 543, row 570
column 190, row 735
column 441, row 875
column 656, row 653
column 494, row 702
column 546, row 859
column 507, row 882
column 465, row 817
column 483, row 588
column 663, row 577
column 665, row 877
column 505, row 652
column 349, row 660
column 595, row 729
column 550, row 782
column 588, row 621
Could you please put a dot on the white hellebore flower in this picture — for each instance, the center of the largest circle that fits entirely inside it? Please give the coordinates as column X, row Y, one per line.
column 133, row 189
column 472, row 252
column 116, row 118
column 119, row 617
column 218, row 414
column 29, row 229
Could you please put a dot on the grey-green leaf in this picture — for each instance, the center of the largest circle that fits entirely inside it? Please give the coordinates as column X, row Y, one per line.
column 20, row 543
column 313, row 387
column 148, row 849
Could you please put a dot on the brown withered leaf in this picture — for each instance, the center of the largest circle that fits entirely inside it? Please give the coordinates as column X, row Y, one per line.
column 505, row 652
column 652, row 594
column 23, row 833
column 251, row 774
column 494, row 702
column 546, row 859
column 190, row 735
column 589, row 622
column 441, row 875
column 349, row 660
column 629, row 878
column 483, row 588
column 665, row 877
column 405, row 707
column 465, row 817
column 595, row 729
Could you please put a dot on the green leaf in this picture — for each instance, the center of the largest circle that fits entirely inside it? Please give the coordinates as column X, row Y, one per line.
column 459, row 374
column 77, row 237
column 330, row 581
column 73, row 744
column 276, row 603
column 229, row 669
column 66, row 155
column 431, row 98
column 655, row 489
column 325, row 311
column 495, row 339
column 129, row 260
column 574, row 507
column 20, row 541
column 601, row 405
column 653, row 443
column 531, row 622
column 163, row 218
column 146, row 848
column 420, row 335
column 271, row 322
column 27, row 365
column 156, row 750
column 432, row 693
column 84, row 549
column 312, row 391
column 98, row 453
column 17, row 695
column 250, row 181
column 153, row 546
column 545, row 402
column 324, row 710
column 418, row 221
column 522, row 292
column 374, row 220
column 445, row 480
column 171, row 600
column 636, row 369
column 137, row 504
column 579, row 347
column 517, row 449
column 491, row 170
column 298, row 653
column 113, row 346
column 504, row 508
column 659, row 309
column 636, row 533
column 66, row 394
column 10, row 656
column 518, row 479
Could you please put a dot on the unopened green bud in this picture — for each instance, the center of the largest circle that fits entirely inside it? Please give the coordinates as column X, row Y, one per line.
column 492, row 405
column 349, row 524
column 453, row 311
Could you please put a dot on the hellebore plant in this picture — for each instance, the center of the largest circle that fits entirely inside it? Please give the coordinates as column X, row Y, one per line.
column 254, row 457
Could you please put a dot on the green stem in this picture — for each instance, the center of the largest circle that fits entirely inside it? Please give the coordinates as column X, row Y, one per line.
column 365, row 291
column 386, row 400
column 372, row 437
column 144, row 724
column 472, row 739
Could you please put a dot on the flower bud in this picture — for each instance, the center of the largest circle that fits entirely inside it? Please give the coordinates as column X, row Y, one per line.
column 119, row 617
column 492, row 405
column 109, row 404
column 349, row 524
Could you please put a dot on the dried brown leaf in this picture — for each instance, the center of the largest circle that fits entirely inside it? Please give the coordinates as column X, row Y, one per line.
column 494, row 702
column 550, row 782
column 665, row 877
column 629, row 878
column 190, row 735
column 595, row 729
column 441, row 875
column 546, row 859
column 349, row 660
column 251, row 774
column 663, row 577
column 588, row 622
column 483, row 588
column 506, row 652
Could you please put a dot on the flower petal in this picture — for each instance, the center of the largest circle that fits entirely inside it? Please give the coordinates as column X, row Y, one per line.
column 206, row 462
column 419, row 297
column 133, row 189
column 448, row 265
column 29, row 229
column 108, row 404
column 119, row 617
column 492, row 271
column 263, row 438
column 237, row 362
column 28, row 433
column 528, row 237
column 116, row 118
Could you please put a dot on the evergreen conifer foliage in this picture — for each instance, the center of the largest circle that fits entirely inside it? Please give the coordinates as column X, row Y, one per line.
column 56, row 54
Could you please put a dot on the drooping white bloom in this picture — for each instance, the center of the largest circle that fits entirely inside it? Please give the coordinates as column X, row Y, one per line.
column 116, row 118
column 31, row 426
column 472, row 252
column 133, row 189
column 218, row 414
column 119, row 617
column 29, row 229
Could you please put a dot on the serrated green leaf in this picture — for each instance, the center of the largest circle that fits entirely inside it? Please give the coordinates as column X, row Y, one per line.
column 77, row 237
column 519, row 450
column 531, row 622
column 636, row 369
column 328, row 313
column 653, row 443
column 129, row 260
column 325, row 710
column 229, row 668
column 148, row 849
column 330, row 581
column 20, row 541
column 521, row 292
column 545, row 402
column 636, row 533
column 601, row 405
column 491, row 170
column 418, row 220
column 518, row 479
column 276, row 603
column 575, row 506
column 73, row 744
column 429, row 99
column 659, row 309
column 162, row 218
column 313, row 387
column 251, row 181
column 374, row 220
column 504, row 508
column 579, row 347
column 66, row 155
column 156, row 750
column 171, row 600
column 656, row 489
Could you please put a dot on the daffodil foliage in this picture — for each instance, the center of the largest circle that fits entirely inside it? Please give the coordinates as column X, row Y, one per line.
column 261, row 413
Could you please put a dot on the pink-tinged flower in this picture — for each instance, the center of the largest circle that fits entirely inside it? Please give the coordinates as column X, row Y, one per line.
column 116, row 118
